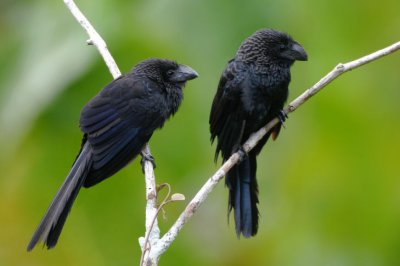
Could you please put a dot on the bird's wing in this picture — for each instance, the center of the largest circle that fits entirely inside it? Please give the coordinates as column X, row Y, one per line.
column 117, row 124
column 227, row 118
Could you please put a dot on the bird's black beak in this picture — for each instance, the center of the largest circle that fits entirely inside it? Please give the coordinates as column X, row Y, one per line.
column 184, row 73
column 295, row 52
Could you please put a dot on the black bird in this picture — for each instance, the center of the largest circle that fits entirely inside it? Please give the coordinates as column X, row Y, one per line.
column 252, row 91
column 116, row 123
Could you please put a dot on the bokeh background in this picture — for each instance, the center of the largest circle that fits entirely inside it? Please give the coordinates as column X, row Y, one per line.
column 329, row 187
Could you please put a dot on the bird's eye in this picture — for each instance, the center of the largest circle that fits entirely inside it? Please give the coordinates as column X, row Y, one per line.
column 282, row 47
column 170, row 72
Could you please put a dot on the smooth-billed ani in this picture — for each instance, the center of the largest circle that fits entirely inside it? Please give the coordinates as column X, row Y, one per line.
column 252, row 91
column 116, row 123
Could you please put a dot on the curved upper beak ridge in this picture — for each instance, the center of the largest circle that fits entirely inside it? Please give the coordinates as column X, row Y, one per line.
column 295, row 52
column 184, row 73
column 299, row 53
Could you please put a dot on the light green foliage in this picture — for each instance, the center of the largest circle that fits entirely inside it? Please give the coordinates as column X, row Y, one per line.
column 329, row 187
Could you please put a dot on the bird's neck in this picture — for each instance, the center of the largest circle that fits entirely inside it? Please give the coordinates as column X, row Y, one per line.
column 274, row 71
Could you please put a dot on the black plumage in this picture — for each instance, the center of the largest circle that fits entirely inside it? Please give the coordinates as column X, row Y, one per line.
column 116, row 123
column 252, row 90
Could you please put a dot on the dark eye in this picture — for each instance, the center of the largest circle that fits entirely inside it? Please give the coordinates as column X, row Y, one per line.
column 282, row 47
column 170, row 73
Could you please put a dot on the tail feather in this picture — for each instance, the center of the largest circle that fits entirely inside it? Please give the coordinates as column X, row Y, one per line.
column 52, row 223
column 243, row 196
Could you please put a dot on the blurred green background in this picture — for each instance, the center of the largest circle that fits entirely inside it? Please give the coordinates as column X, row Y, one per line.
column 329, row 187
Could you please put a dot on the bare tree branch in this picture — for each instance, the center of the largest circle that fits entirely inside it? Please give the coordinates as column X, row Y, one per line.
column 337, row 71
column 200, row 197
column 146, row 246
column 151, row 191
column 152, row 233
column 95, row 38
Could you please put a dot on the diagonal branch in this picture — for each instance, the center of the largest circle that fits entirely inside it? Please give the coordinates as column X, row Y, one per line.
column 200, row 197
column 337, row 71
column 95, row 38
column 151, row 192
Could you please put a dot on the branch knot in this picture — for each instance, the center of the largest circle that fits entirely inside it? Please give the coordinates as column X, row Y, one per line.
column 340, row 67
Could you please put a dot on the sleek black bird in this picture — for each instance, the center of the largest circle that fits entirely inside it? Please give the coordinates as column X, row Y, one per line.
column 252, row 91
column 116, row 123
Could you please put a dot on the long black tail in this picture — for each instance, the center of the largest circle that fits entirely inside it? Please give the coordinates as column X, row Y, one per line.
column 243, row 196
column 52, row 223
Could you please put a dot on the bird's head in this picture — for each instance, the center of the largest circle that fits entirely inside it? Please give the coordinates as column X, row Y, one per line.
column 165, row 72
column 271, row 46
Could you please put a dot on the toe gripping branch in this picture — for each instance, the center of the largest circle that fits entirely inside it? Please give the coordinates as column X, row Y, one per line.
column 147, row 157
column 282, row 116
column 242, row 154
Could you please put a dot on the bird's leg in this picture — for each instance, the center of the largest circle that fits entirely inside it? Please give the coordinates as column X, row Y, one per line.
column 242, row 154
column 147, row 157
column 282, row 116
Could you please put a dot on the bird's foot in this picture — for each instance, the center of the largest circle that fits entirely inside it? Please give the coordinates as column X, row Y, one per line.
column 147, row 157
column 242, row 153
column 282, row 116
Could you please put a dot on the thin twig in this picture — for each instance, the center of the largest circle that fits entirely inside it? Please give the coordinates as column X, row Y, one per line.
column 146, row 244
column 95, row 38
column 206, row 189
